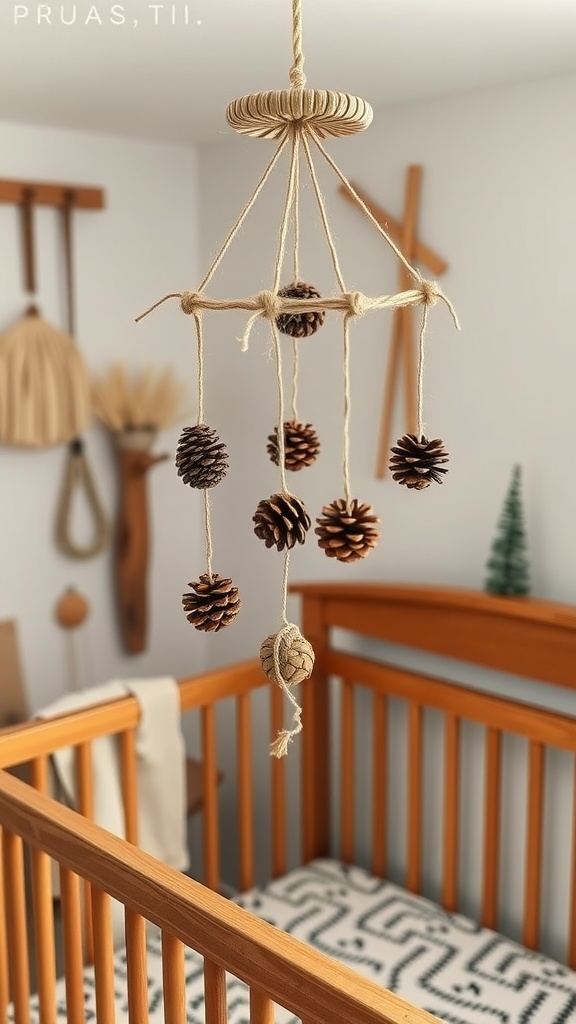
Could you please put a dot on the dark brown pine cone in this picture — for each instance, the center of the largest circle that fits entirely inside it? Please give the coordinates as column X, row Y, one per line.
column 416, row 463
column 347, row 531
column 213, row 605
column 201, row 458
column 301, row 446
column 300, row 325
column 281, row 521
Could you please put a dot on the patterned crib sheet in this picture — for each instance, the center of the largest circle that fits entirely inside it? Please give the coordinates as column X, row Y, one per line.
column 442, row 962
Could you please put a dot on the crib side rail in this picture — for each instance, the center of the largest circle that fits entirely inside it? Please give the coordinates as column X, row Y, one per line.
column 278, row 968
column 22, row 743
column 538, row 728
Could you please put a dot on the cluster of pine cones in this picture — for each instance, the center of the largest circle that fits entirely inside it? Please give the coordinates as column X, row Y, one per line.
column 346, row 530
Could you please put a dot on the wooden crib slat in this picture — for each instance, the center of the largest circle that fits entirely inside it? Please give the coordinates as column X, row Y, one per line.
column 414, row 797
column 137, row 967
column 43, row 912
column 278, row 789
column 44, row 935
column 85, row 801
column 572, row 922
column 261, row 1008
column 72, row 930
column 103, row 956
column 347, row 776
column 128, row 769
column 215, row 993
column 210, row 815
column 173, row 979
column 245, row 793
column 379, row 785
column 492, row 801
column 451, row 816
column 534, row 845
column 4, row 985
column 15, row 896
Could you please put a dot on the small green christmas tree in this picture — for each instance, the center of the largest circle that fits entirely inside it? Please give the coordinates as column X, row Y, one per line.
column 508, row 570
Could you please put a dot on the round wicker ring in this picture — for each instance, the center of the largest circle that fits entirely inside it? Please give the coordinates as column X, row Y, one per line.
column 266, row 115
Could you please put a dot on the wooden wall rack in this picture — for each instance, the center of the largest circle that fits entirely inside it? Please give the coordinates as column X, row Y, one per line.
column 50, row 194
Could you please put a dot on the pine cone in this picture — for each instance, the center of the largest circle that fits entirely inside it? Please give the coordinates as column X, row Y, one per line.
column 201, row 458
column 301, row 446
column 213, row 605
column 281, row 520
column 348, row 531
column 300, row 325
column 295, row 657
column 416, row 463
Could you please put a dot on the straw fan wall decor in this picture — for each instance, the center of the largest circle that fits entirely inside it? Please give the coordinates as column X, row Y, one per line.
column 298, row 119
column 44, row 380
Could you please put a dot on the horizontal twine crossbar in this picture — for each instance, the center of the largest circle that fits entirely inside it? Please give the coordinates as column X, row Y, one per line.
column 269, row 305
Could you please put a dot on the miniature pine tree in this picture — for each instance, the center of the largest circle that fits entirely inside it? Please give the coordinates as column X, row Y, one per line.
column 508, row 570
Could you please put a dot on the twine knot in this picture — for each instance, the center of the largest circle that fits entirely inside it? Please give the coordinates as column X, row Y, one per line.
column 357, row 304
column 191, row 302
column 430, row 292
column 270, row 303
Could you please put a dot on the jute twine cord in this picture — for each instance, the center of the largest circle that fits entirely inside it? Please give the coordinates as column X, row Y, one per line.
column 236, row 228
column 297, row 76
column 269, row 305
column 323, row 216
column 200, row 419
column 346, row 446
column 289, row 633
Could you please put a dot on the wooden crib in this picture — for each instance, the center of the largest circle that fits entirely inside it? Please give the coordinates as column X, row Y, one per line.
column 526, row 637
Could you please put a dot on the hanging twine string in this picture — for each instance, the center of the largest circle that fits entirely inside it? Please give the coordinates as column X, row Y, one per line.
column 323, row 215
column 297, row 76
column 420, row 384
column 411, row 270
column 234, row 231
column 286, row 635
column 296, row 267
column 346, row 448
column 199, row 420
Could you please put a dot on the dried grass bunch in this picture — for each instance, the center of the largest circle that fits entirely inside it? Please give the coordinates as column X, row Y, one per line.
column 150, row 400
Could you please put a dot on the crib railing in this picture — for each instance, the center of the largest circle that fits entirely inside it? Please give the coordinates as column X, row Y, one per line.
column 277, row 968
column 499, row 717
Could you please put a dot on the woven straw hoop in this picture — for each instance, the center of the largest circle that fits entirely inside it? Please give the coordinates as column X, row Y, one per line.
column 266, row 115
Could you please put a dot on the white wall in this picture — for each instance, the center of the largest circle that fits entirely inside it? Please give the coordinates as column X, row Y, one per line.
column 499, row 205
column 141, row 246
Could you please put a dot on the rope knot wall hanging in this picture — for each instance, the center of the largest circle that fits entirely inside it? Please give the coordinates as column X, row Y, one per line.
column 298, row 119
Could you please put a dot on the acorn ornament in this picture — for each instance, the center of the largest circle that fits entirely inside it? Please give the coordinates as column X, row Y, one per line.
column 300, row 325
column 347, row 530
column 281, row 521
column 201, row 458
column 213, row 604
column 417, row 462
column 301, row 446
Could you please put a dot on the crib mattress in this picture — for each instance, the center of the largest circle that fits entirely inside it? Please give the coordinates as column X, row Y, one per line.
column 442, row 962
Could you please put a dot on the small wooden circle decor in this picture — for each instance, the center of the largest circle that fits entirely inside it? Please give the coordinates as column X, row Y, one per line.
column 297, row 119
column 71, row 609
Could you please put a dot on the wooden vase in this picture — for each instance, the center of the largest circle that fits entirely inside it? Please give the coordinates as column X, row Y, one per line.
column 133, row 536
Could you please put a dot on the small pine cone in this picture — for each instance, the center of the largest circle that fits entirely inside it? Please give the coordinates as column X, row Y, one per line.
column 301, row 445
column 214, row 604
column 281, row 520
column 295, row 657
column 201, row 458
column 416, row 463
column 300, row 325
column 347, row 531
